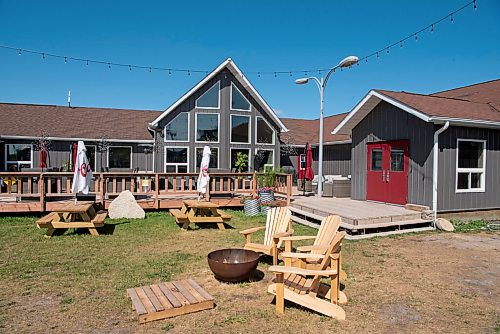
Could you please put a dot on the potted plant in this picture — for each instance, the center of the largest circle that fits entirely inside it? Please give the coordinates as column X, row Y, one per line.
column 266, row 205
column 251, row 205
column 266, row 182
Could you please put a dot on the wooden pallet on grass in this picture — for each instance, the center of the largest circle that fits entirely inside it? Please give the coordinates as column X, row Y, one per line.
column 166, row 300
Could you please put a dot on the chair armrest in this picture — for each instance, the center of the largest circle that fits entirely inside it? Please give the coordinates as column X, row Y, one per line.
column 299, row 237
column 283, row 234
column 252, row 230
column 312, row 248
column 302, row 255
column 302, row 272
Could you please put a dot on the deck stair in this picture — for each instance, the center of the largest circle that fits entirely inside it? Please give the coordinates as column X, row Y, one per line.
column 363, row 227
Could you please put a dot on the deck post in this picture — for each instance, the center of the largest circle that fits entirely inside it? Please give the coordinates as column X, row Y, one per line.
column 102, row 191
column 288, row 188
column 157, row 191
column 41, row 192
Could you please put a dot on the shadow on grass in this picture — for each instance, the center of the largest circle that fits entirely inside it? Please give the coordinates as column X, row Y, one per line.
column 107, row 229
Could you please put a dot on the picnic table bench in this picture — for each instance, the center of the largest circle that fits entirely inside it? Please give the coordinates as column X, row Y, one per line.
column 199, row 212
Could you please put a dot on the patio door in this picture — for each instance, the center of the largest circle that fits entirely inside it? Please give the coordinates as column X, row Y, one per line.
column 387, row 172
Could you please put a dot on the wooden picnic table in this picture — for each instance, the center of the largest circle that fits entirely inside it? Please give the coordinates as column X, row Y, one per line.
column 199, row 212
column 71, row 215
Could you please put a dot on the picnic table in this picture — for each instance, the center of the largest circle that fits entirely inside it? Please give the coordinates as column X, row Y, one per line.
column 71, row 215
column 199, row 212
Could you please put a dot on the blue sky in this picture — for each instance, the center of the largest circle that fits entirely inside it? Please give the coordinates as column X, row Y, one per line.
column 259, row 35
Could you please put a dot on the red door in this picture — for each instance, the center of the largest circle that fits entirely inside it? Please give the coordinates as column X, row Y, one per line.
column 387, row 172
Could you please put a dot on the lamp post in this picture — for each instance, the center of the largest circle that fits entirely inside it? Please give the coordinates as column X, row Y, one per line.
column 321, row 82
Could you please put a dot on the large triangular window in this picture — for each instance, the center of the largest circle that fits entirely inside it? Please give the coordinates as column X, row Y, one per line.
column 238, row 101
column 210, row 99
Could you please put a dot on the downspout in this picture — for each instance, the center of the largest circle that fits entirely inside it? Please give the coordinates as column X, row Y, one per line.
column 154, row 128
column 435, row 169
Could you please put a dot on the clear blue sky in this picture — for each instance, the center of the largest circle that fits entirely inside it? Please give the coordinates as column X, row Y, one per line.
column 259, row 35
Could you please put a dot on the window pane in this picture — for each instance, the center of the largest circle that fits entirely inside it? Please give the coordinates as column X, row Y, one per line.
column 91, row 156
column 397, row 160
column 171, row 169
column 214, row 154
column 177, row 155
column 239, row 130
column 302, row 161
column 207, row 127
column 209, row 99
column 182, row 169
column 265, row 133
column 470, row 154
column 238, row 101
column 263, row 158
column 177, row 129
column 463, row 181
column 234, row 153
column 377, row 159
column 19, row 152
column 475, row 180
column 119, row 157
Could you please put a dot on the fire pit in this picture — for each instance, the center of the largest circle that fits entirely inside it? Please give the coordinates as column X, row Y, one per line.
column 233, row 265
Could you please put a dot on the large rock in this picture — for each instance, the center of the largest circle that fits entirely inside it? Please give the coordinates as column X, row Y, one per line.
column 444, row 225
column 125, row 206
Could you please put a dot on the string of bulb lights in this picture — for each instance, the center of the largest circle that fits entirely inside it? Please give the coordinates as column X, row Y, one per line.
column 377, row 54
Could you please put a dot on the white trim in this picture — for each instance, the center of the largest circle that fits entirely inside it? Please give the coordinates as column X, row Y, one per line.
column 265, row 149
column 231, row 99
column 131, row 153
column 231, row 66
column 481, row 170
column 211, row 148
column 257, row 127
column 188, row 132
column 196, row 128
column 218, row 97
column 250, row 164
column 95, row 156
column 165, row 163
column 465, row 122
column 17, row 161
column 82, row 139
column 231, row 129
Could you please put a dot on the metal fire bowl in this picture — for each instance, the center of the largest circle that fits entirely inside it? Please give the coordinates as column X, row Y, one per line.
column 233, row 265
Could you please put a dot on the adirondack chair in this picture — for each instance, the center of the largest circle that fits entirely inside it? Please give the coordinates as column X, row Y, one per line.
column 304, row 287
column 278, row 225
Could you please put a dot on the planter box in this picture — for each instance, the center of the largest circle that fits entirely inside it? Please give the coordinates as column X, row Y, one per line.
column 342, row 188
column 327, row 189
column 251, row 207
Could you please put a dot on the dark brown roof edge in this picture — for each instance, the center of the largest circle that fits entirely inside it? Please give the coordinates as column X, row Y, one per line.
column 466, row 86
column 74, row 107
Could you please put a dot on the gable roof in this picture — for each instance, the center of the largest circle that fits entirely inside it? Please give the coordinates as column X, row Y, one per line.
column 231, row 66
column 304, row 131
column 476, row 105
column 75, row 123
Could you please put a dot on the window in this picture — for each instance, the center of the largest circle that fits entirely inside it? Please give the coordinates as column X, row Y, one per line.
column 207, row 128
column 302, row 162
column 214, row 157
column 265, row 133
column 176, row 159
column 397, row 160
column 234, row 154
column 264, row 159
column 377, row 159
column 120, row 157
column 91, row 156
column 238, row 101
column 178, row 128
column 471, row 165
column 18, row 156
column 210, row 99
column 240, row 129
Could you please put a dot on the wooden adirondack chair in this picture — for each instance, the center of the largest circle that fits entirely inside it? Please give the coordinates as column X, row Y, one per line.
column 278, row 225
column 303, row 286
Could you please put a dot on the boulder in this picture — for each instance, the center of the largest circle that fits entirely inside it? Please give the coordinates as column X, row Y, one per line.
column 125, row 206
column 444, row 225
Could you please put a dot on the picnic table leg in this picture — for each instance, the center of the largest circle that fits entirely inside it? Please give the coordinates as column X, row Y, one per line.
column 190, row 213
column 93, row 231
column 50, row 231
column 214, row 213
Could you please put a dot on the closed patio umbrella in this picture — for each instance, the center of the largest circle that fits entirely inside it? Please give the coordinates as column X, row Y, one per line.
column 82, row 175
column 203, row 177
column 43, row 158
column 309, row 174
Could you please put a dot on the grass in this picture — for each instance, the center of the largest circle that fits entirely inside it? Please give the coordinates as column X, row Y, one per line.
column 470, row 225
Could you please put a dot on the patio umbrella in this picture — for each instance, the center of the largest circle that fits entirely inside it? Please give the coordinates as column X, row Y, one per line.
column 203, row 177
column 43, row 158
column 309, row 175
column 74, row 152
column 83, row 173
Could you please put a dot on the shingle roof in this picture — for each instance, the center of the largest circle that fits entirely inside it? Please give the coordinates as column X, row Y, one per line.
column 302, row 131
column 75, row 122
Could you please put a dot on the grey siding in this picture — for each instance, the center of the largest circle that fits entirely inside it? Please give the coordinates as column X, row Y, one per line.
column 448, row 199
column 387, row 122
column 336, row 159
column 224, row 144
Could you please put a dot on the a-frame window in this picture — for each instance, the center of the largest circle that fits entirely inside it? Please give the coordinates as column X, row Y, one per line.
column 238, row 101
column 210, row 99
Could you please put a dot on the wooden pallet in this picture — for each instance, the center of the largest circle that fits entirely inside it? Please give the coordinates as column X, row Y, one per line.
column 166, row 300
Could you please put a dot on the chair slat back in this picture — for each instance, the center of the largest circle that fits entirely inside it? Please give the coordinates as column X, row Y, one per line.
column 278, row 221
column 327, row 230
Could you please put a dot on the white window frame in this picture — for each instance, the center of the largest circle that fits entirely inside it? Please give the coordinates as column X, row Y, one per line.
column 22, row 162
column 471, row 170
column 211, row 148
column 231, row 129
column 188, row 132
column 256, row 130
column 95, row 156
column 218, row 101
column 231, row 99
column 118, row 146
column 196, row 128
column 250, row 161
column 165, row 163
column 266, row 149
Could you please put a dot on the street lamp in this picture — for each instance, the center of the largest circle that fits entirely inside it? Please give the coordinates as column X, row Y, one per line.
column 346, row 62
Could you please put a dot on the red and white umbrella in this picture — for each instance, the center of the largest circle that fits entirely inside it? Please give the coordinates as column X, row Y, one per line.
column 82, row 176
column 203, row 177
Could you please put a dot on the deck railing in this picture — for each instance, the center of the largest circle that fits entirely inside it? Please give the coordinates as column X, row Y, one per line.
column 45, row 187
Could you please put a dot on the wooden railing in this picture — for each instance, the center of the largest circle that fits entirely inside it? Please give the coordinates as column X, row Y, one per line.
column 44, row 187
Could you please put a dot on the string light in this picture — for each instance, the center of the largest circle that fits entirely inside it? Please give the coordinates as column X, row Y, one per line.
column 431, row 27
